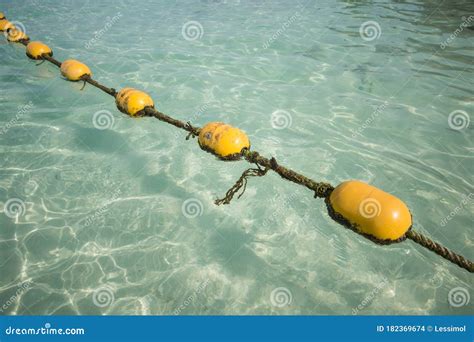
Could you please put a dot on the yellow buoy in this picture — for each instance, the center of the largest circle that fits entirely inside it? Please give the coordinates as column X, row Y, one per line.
column 36, row 50
column 131, row 101
column 73, row 70
column 370, row 211
column 223, row 140
column 5, row 24
column 15, row 35
column 2, row 15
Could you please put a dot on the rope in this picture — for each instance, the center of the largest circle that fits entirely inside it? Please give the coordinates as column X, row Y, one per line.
column 321, row 190
column 150, row 111
column 241, row 182
column 441, row 250
column 52, row 60
column 110, row 91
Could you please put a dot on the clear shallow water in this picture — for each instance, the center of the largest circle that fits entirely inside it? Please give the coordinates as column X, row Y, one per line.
column 122, row 220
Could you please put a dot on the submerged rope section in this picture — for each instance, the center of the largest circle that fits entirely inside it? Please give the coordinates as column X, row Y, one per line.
column 320, row 189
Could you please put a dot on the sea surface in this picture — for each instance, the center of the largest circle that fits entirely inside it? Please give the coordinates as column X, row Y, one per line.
column 104, row 214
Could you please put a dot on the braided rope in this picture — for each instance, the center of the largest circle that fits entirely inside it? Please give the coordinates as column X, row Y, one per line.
column 441, row 250
column 321, row 189
column 110, row 91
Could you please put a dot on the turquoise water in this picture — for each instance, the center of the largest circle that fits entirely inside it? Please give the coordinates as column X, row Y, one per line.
column 120, row 219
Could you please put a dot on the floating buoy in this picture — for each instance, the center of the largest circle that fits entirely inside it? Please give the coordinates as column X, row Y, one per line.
column 74, row 70
column 223, row 140
column 370, row 211
column 36, row 50
column 131, row 101
column 2, row 15
column 5, row 24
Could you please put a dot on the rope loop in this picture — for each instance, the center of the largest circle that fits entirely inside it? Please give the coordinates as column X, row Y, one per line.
column 84, row 85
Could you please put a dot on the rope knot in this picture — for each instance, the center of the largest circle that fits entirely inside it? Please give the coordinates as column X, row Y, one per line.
column 273, row 163
column 193, row 132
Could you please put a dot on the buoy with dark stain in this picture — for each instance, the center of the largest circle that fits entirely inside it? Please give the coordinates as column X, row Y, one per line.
column 36, row 50
column 5, row 24
column 74, row 70
column 223, row 140
column 132, row 101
